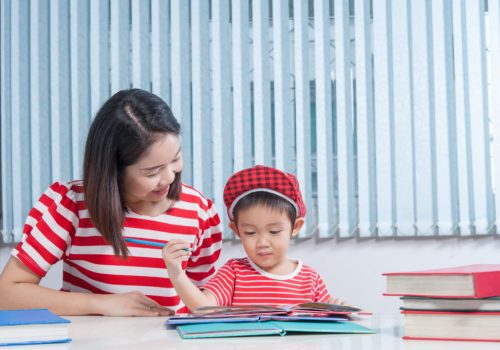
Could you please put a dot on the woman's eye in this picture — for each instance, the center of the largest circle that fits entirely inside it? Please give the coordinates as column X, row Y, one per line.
column 152, row 175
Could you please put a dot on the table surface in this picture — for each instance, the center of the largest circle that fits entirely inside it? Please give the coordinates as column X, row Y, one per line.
column 141, row 333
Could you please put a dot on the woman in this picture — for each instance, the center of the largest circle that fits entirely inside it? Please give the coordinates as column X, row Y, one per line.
column 131, row 188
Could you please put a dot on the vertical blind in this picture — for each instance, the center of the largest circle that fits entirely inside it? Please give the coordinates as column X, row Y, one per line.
column 387, row 111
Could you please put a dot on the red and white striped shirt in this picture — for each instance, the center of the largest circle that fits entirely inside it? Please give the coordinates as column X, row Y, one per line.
column 58, row 227
column 241, row 282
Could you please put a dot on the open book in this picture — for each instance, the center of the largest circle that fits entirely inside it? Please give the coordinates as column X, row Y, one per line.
column 311, row 311
column 245, row 329
column 303, row 309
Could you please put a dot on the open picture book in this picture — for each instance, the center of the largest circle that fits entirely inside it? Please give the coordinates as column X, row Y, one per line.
column 246, row 329
column 303, row 309
column 256, row 320
column 312, row 311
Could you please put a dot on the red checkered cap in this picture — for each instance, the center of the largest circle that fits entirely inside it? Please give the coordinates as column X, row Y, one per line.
column 266, row 179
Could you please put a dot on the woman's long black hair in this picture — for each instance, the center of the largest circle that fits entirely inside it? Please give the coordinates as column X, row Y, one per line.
column 123, row 128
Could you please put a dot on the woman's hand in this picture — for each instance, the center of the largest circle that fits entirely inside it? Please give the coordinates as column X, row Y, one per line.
column 19, row 289
column 129, row 304
column 174, row 253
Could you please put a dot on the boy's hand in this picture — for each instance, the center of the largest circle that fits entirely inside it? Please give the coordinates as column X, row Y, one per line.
column 174, row 253
column 337, row 301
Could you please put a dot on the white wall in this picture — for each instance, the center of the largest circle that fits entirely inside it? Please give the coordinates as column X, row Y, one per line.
column 352, row 269
column 53, row 279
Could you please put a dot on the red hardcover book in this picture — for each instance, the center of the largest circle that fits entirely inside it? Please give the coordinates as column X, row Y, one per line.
column 457, row 326
column 471, row 281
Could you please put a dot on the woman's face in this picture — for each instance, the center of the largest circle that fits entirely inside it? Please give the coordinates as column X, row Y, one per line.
column 149, row 179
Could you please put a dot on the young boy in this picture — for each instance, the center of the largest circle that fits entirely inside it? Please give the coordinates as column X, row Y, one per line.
column 266, row 210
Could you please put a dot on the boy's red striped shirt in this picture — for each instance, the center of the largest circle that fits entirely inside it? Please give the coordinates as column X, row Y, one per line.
column 58, row 227
column 240, row 282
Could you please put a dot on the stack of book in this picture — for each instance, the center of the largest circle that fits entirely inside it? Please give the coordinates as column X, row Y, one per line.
column 253, row 320
column 33, row 326
column 457, row 303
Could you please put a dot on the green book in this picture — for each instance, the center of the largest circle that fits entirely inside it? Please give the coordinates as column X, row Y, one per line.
column 246, row 329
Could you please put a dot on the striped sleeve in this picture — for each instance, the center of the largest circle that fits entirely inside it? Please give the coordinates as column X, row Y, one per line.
column 48, row 229
column 206, row 250
column 321, row 292
column 222, row 284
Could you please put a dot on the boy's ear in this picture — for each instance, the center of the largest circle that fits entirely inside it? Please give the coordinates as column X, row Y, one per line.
column 232, row 226
column 297, row 226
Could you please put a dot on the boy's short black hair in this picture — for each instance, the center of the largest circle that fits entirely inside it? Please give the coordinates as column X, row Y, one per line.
column 267, row 200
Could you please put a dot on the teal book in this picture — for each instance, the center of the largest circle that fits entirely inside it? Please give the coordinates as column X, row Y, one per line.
column 33, row 326
column 246, row 329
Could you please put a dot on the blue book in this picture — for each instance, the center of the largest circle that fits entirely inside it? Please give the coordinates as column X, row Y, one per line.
column 174, row 321
column 34, row 326
column 245, row 329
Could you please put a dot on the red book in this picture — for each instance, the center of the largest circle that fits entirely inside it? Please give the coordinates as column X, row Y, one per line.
column 457, row 326
column 471, row 281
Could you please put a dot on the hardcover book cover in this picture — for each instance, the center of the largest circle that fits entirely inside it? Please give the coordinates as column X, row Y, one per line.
column 470, row 281
column 245, row 329
column 33, row 326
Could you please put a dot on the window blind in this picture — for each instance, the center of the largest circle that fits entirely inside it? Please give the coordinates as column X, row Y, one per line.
column 387, row 111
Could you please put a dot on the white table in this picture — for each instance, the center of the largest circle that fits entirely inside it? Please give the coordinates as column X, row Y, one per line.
column 138, row 333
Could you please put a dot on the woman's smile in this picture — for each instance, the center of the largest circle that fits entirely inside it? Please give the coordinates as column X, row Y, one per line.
column 162, row 191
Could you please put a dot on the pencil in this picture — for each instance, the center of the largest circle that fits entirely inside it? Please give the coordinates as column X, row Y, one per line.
column 149, row 243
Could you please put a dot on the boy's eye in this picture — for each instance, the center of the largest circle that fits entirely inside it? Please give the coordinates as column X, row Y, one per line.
column 249, row 233
column 275, row 232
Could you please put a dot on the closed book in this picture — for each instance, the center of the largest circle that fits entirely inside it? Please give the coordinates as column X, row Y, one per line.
column 451, row 304
column 33, row 326
column 457, row 326
column 471, row 281
column 245, row 329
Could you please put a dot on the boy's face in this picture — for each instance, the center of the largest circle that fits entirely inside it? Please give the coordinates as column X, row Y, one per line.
column 265, row 234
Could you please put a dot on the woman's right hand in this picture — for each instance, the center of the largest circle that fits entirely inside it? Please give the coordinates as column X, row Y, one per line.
column 174, row 253
column 129, row 304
